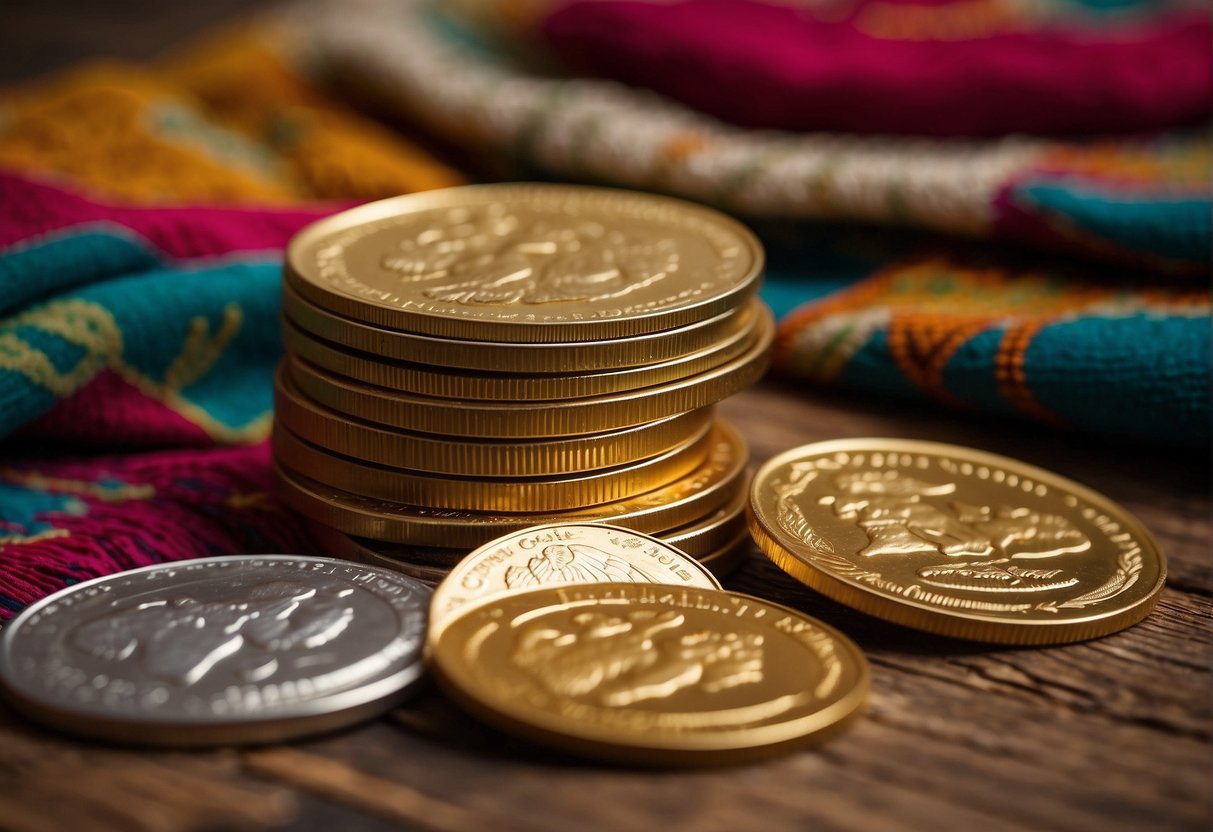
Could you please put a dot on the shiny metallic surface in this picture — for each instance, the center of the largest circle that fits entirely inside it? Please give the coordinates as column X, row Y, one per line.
column 650, row 674
column 527, row 263
column 955, row 541
column 703, row 491
column 567, row 417
column 561, row 554
column 226, row 650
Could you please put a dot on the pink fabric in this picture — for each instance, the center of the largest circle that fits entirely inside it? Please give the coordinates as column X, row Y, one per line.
column 109, row 411
column 778, row 65
column 177, row 231
column 120, row 512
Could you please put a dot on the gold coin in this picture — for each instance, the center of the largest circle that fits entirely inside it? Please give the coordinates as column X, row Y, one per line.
column 704, row 490
column 561, row 554
column 728, row 554
column 526, row 263
column 513, row 494
column 508, row 420
column 955, row 541
column 494, row 458
column 650, row 674
column 551, row 359
column 452, row 383
column 432, row 565
column 703, row 538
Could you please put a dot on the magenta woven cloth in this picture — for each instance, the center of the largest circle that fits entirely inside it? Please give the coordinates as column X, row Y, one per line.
column 934, row 68
column 135, row 344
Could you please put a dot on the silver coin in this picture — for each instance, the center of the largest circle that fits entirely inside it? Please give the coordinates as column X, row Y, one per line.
column 216, row 651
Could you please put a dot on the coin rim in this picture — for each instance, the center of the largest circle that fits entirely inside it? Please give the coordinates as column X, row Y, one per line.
column 510, row 420
column 584, row 489
column 296, row 490
column 498, row 384
column 943, row 621
column 315, row 716
column 554, row 456
column 301, row 275
column 546, row 358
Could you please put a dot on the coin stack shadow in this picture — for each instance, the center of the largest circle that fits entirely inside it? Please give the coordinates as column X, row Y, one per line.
column 408, row 450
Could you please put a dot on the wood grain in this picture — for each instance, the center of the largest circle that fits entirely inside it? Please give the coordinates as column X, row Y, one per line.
column 1111, row 734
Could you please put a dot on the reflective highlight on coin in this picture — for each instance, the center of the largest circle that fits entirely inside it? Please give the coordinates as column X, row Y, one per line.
column 526, row 263
column 245, row 649
column 955, row 541
column 700, row 492
column 562, row 554
column 651, row 674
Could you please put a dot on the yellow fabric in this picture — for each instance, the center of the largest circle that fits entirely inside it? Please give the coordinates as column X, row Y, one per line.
column 227, row 120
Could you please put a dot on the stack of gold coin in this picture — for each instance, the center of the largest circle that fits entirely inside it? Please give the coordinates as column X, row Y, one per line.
column 473, row 361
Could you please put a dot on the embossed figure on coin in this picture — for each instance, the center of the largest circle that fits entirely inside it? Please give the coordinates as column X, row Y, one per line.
column 643, row 655
column 895, row 511
column 572, row 563
column 180, row 640
column 492, row 256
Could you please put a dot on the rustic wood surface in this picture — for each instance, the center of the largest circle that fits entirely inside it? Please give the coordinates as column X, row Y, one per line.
column 1112, row 734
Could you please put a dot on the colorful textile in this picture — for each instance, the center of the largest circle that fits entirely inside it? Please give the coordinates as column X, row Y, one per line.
column 952, row 68
column 228, row 122
column 1139, row 200
column 139, row 312
column 65, row 521
column 137, row 325
column 994, row 330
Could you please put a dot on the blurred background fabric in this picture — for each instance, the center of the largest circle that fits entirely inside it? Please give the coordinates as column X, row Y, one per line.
column 1001, row 206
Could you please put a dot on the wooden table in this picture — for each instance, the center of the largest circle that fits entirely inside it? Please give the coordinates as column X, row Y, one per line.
column 1112, row 734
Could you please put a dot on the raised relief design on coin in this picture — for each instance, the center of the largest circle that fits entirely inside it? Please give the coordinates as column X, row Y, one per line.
column 527, row 263
column 618, row 661
column 493, row 255
column 649, row 673
column 569, row 553
column 956, row 531
column 575, row 563
column 232, row 649
column 180, row 639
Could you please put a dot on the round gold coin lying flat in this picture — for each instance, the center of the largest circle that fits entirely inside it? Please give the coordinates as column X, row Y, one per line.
column 491, row 356
column 955, row 541
column 560, row 554
column 514, row 494
column 526, row 263
column 499, row 458
column 716, row 481
column 451, row 383
column 651, row 674
column 569, row 417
